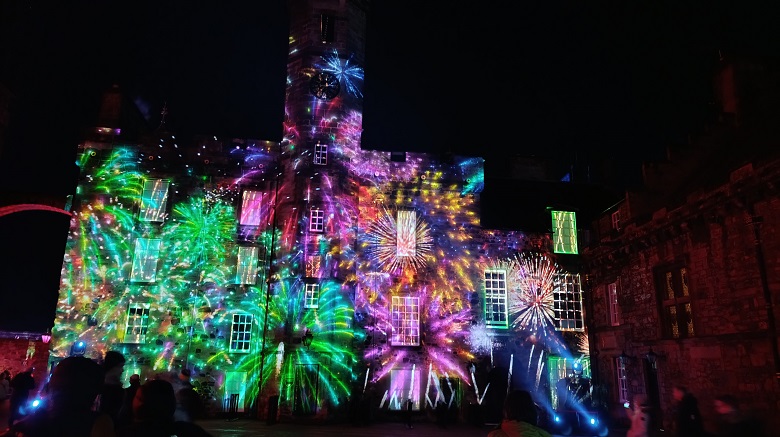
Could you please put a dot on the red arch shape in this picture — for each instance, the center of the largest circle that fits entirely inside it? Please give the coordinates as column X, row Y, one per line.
column 11, row 209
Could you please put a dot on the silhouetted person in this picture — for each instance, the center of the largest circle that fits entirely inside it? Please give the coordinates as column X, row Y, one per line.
column 21, row 386
column 125, row 417
column 687, row 418
column 112, row 395
column 520, row 417
column 67, row 406
column 408, row 409
column 639, row 414
column 153, row 408
column 188, row 402
column 732, row 421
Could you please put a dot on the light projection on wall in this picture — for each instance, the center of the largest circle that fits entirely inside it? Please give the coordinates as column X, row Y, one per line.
column 350, row 74
column 400, row 243
column 564, row 225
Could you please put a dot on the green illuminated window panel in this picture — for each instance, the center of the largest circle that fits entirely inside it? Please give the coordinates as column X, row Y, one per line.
column 241, row 333
column 246, row 268
column 235, row 390
column 311, row 296
column 137, row 324
column 567, row 303
column 561, row 368
column 154, row 200
column 564, row 225
column 145, row 256
column 496, row 299
column 251, row 208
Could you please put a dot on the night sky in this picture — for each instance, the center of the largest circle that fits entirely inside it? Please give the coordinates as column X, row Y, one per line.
column 618, row 79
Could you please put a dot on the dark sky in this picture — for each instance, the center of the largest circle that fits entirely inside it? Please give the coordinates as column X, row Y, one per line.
column 621, row 79
column 518, row 77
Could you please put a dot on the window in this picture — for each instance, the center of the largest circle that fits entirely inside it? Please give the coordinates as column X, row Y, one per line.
column 320, row 154
column 153, row 200
column 405, row 320
column 313, row 263
column 137, row 323
column 567, row 303
column 316, row 220
column 496, row 299
column 311, row 296
column 677, row 314
column 564, row 226
column 145, row 256
column 404, row 385
column 235, row 390
column 251, row 208
column 616, row 220
column 622, row 379
column 241, row 333
column 246, row 267
column 614, row 308
column 406, row 236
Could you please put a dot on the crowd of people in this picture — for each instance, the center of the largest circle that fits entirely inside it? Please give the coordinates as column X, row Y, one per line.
column 84, row 398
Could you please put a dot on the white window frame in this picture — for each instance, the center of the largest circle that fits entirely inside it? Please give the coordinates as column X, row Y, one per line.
column 613, row 305
column 146, row 254
column 246, row 265
column 320, row 154
column 316, row 219
column 137, row 323
column 496, row 299
column 405, row 320
column 622, row 378
column 251, row 208
column 567, row 303
column 311, row 295
column 241, row 333
column 154, row 200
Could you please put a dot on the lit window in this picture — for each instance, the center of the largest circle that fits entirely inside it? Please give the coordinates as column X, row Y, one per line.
column 614, row 308
column 567, row 303
column 145, row 256
column 137, row 323
column 246, row 267
column 316, row 220
column 564, row 226
column 320, row 154
column 313, row 263
column 406, row 235
column 311, row 296
column 406, row 321
column 616, row 220
column 495, row 299
column 154, row 200
column 622, row 379
column 404, row 385
column 251, row 208
column 676, row 303
column 241, row 333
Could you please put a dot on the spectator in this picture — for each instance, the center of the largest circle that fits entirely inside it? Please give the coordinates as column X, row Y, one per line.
column 21, row 386
column 67, row 408
column 639, row 414
column 732, row 421
column 188, row 402
column 125, row 417
column 520, row 417
column 112, row 394
column 153, row 408
column 687, row 418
